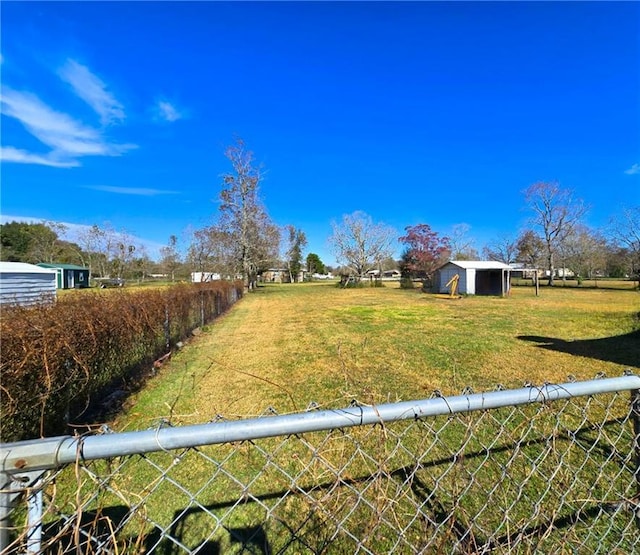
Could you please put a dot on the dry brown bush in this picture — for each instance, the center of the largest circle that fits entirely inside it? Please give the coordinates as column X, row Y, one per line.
column 60, row 360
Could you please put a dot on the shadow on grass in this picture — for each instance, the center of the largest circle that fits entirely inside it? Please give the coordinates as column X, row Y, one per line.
column 619, row 349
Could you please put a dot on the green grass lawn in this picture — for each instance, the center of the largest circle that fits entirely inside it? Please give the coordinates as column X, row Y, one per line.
column 288, row 345
column 496, row 472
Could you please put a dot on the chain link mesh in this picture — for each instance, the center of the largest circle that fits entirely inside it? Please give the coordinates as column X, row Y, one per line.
column 547, row 478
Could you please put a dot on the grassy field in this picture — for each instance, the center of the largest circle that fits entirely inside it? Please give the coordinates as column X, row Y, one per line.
column 286, row 346
column 478, row 476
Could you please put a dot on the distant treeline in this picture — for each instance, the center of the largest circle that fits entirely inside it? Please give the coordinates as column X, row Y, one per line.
column 101, row 249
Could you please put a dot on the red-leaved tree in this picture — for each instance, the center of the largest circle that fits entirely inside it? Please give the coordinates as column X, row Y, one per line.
column 425, row 251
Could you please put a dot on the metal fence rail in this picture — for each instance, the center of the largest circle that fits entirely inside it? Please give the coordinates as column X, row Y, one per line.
column 549, row 469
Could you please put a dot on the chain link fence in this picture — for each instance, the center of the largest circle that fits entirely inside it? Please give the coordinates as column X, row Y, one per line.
column 551, row 469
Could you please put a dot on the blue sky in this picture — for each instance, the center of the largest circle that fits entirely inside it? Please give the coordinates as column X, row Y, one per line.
column 417, row 112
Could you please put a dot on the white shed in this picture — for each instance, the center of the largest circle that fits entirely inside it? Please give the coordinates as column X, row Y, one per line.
column 26, row 284
column 476, row 277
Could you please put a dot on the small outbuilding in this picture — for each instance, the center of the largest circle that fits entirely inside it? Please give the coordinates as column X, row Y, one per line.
column 69, row 276
column 476, row 277
column 26, row 284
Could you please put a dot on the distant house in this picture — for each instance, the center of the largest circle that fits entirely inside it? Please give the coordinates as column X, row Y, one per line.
column 322, row 276
column 561, row 273
column 476, row 277
column 522, row 271
column 385, row 274
column 69, row 276
column 26, row 284
column 282, row 275
column 277, row 275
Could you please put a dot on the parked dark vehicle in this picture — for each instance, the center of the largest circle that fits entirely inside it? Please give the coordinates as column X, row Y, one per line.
column 109, row 282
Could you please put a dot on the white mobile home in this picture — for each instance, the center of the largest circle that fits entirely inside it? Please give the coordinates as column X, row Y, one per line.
column 26, row 284
column 202, row 277
column 476, row 277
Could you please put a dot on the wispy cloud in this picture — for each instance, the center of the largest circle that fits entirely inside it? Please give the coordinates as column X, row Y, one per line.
column 67, row 137
column 166, row 111
column 10, row 154
column 139, row 191
column 633, row 170
column 93, row 91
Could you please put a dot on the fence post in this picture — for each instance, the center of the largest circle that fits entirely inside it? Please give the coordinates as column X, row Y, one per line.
column 34, row 504
column 635, row 415
column 167, row 327
column 15, row 488
column 202, row 318
column 5, row 511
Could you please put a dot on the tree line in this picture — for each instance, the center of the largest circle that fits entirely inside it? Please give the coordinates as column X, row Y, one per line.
column 554, row 240
column 243, row 242
column 102, row 249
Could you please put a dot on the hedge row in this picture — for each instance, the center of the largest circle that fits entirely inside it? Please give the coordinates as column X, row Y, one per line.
column 58, row 360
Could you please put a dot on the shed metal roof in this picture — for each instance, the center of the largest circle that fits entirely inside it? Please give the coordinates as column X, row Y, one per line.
column 23, row 268
column 480, row 265
column 62, row 266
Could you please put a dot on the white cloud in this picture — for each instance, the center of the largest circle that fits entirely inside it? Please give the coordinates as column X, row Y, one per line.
column 93, row 91
column 140, row 191
column 10, row 154
column 167, row 111
column 66, row 137
column 633, row 170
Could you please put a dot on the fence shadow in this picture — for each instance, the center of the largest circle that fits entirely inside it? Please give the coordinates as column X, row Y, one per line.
column 435, row 512
column 96, row 531
column 619, row 349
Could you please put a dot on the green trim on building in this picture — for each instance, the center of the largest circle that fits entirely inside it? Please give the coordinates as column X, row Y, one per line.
column 69, row 276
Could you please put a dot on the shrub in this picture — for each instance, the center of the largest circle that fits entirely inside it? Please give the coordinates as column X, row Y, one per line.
column 58, row 359
column 406, row 283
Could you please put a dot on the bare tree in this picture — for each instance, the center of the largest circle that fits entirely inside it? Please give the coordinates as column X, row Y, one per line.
column 625, row 232
column 556, row 213
column 99, row 248
column 89, row 241
column 360, row 244
column 244, row 218
column 584, row 251
column 212, row 250
column 170, row 257
column 502, row 249
column 461, row 244
column 198, row 254
column 124, row 249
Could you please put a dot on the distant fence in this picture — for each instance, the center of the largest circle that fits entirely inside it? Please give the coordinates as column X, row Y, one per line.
column 549, row 469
